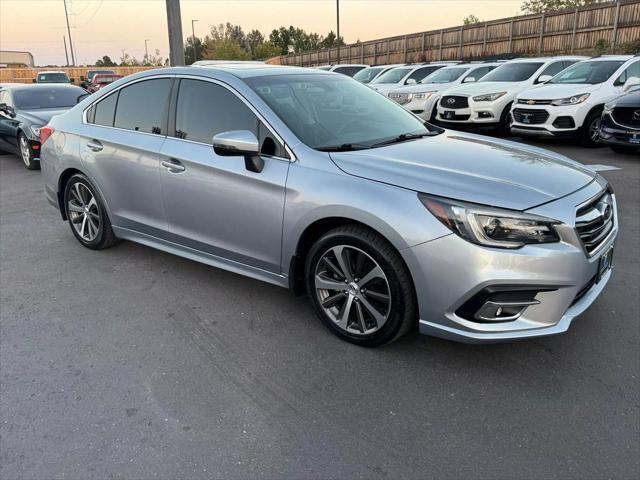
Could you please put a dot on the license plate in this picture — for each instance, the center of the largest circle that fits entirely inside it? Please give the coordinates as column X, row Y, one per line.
column 604, row 263
column 448, row 114
column 634, row 139
column 526, row 119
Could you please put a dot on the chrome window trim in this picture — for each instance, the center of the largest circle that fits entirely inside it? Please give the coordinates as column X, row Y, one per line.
column 201, row 78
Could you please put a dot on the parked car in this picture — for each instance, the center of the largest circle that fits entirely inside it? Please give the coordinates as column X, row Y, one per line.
column 571, row 104
column 405, row 75
column 52, row 77
column 366, row 75
column 620, row 126
column 313, row 181
column 487, row 103
column 25, row 109
column 423, row 97
column 346, row 69
column 102, row 80
column 85, row 82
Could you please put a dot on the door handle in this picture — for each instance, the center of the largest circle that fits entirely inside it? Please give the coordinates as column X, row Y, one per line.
column 94, row 145
column 173, row 165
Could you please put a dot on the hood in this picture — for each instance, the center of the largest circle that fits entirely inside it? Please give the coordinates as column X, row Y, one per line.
column 557, row 91
column 42, row 116
column 631, row 99
column 483, row 88
column 425, row 87
column 384, row 88
column 471, row 168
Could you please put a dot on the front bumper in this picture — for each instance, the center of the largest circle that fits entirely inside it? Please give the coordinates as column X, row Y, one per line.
column 477, row 114
column 561, row 121
column 448, row 272
column 612, row 133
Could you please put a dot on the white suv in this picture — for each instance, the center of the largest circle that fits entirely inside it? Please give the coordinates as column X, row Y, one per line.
column 348, row 69
column 571, row 103
column 405, row 75
column 487, row 103
column 422, row 98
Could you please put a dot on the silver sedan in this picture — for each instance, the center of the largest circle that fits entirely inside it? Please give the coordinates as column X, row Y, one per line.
column 314, row 182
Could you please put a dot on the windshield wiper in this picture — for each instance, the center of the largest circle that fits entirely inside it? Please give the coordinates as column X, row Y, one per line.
column 403, row 137
column 345, row 147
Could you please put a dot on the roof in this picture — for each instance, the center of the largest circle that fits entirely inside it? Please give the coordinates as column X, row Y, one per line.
column 35, row 86
column 547, row 59
column 206, row 63
column 620, row 58
column 51, row 71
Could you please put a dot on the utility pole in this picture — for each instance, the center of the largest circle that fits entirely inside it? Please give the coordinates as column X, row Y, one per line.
column 174, row 25
column 146, row 49
column 66, row 14
column 66, row 54
column 338, row 27
column 193, row 40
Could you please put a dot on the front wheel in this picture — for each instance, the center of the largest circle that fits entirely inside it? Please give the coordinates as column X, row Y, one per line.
column 26, row 153
column 86, row 214
column 360, row 287
column 590, row 133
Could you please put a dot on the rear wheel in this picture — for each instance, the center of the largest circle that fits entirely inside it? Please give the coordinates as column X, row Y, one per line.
column 26, row 153
column 360, row 287
column 86, row 214
column 590, row 132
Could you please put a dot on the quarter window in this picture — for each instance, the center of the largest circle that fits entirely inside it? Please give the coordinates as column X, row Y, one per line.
column 143, row 106
column 104, row 111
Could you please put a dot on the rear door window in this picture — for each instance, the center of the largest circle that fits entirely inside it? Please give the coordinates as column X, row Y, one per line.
column 104, row 111
column 142, row 107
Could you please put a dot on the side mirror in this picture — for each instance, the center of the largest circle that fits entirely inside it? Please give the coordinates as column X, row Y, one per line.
column 35, row 80
column 71, row 80
column 410, row 81
column 469, row 80
column 7, row 110
column 544, row 78
column 82, row 78
column 237, row 143
column 631, row 83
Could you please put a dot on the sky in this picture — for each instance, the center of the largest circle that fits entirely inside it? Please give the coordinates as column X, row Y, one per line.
column 107, row 27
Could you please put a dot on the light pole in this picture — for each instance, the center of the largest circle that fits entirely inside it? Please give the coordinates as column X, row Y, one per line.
column 193, row 40
column 66, row 14
column 146, row 49
column 174, row 26
column 338, row 27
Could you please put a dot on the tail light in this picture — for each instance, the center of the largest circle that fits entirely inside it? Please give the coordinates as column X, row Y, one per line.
column 45, row 133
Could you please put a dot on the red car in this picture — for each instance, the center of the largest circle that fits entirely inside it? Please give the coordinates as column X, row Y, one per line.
column 102, row 80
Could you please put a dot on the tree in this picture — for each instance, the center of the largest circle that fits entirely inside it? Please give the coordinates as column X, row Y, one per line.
column 470, row 19
column 127, row 60
column 105, row 61
column 221, row 49
column 193, row 50
column 541, row 6
column 253, row 39
column 331, row 41
column 265, row 50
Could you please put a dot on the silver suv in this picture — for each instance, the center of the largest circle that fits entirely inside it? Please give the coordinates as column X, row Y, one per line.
column 312, row 181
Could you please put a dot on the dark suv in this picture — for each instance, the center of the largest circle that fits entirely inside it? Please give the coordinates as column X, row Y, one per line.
column 620, row 125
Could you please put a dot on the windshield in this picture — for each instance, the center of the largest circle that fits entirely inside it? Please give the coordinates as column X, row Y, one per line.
column 587, row 72
column 392, row 76
column 445, row 75
column 53, row 78
column 367, row 74
column 513, row 72
column 326, row 111
column 34, row 98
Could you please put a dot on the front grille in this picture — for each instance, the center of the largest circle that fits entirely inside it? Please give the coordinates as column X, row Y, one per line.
column 454, row 102
column 400, row 97
column 595, row 221
column 564, row 122
column 524, row 101
column 530, row 116
column 627, row 116
column 459, row 118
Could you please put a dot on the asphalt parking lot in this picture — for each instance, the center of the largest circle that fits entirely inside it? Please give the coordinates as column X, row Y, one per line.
column 132, row 363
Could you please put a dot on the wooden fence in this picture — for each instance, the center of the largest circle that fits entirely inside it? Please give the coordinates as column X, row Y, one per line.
column 26, row 75
column 559, row 32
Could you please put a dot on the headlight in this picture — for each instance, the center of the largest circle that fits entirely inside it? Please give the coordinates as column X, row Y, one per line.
column 492, row 227
column 489, row 97
column 575, row 100
column 421, row 95
column 36, row 130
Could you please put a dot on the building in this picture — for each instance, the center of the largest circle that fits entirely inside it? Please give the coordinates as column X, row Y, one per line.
column 13, row 59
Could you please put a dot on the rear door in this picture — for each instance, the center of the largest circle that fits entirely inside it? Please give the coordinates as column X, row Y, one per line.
column 120, row 149
column 213, row 203
column 8, row 124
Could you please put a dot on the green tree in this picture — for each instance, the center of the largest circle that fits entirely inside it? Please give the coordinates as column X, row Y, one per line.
column 265, row 50
column 331, row 41
column 221, row 49
column 470, row 19
column 253, row 39
column 105, row 61
column 193, row 50
column 541, row 6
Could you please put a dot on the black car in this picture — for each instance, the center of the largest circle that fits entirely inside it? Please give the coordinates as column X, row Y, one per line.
column 620, row 125
column 24, row 109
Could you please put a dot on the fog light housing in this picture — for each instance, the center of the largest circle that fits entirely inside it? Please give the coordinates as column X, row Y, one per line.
column 485, row 115
column 500, row 303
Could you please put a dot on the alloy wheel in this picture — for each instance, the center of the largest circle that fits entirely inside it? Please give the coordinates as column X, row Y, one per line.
column 594, row 130
column 83, row 212
column 352, row 289
column 25, row 151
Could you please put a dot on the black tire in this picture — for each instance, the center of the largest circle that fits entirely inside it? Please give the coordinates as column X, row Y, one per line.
column 504, row 127
column 402, row 312
column 26, row 153
column 624, row 150
column 586, row 132
column 103, row 236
